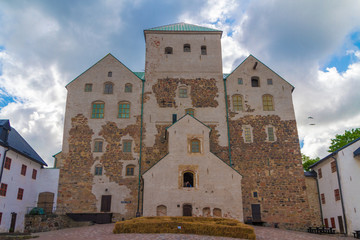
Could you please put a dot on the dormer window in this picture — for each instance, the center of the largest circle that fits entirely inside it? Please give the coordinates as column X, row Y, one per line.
column 187, row 47
column 203, row 50
column 255, row 82
column 168, row 50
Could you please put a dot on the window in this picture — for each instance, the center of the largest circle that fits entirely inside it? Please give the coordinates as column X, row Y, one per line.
column 203, row 50
column 34, row 173
column 7, row 164
column 128, row 87
column 240, row 81
column 23, row 170
column 337, row 194
column 190, row 111
column 247, row 134
column 195, row 146
column 237, row 103
column 187, row 48
column 109, row 74
column 269, row 81
column 270, row 133
column 255, row 82
column 320, row 173
column 98, row 110
column 188, row 179
column 108, row 88
column 333, row 222
column 0, row 217
column 183, row 92
column 168, row 50
column 88, row 87
column 98, row 146
column 322, row 198
column 98, row 170
column 268, row 103
column 3, row 189
column 20, row 194
column 127, row 146
column 130, row 170
column 326, row 222
column 333, row 166
column 255, row 194
column 124, row 110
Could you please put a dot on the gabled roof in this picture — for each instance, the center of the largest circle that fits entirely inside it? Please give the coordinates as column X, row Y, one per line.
column 109, row 54
column 192, row 117
column 18, row 144
column 335, row 152
column 226, row 75
column 182, row 27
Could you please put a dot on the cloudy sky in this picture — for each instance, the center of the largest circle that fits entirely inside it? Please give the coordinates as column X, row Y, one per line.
column 313, row 44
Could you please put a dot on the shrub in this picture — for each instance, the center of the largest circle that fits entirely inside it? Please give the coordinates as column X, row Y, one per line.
column 187, row 225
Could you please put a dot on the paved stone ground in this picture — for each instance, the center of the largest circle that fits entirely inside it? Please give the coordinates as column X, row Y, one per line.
column 104, row 231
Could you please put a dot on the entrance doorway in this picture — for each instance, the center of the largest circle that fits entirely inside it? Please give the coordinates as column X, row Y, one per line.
column 256, row 213
column 13, row 222
column 105, row 203
column 187, row 210
column 341, row 225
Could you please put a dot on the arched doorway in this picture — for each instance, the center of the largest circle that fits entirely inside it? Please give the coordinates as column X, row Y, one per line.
column 187, row 210
column 161, row 210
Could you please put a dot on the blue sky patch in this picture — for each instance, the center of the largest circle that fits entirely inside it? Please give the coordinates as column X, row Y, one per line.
column 5, row 98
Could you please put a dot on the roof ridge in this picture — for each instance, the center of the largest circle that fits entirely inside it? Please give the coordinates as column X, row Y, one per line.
column 183, row 27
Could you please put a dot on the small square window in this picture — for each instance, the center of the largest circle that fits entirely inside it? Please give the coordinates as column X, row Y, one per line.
column 128, row 87
column 23, row 170
column 240, row 81
column 255, row 82
column 130, row 170
column 7, row 163
column 20, row 194
column 34, row 173
column 269, row 81
column 127, row 146
column 3, row 189
column 98, row 145
column 88, row 87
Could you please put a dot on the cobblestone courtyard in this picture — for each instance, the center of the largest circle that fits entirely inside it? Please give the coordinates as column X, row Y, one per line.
column 104, row 231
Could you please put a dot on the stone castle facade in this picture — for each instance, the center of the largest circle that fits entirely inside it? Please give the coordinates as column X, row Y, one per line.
column 129, row 149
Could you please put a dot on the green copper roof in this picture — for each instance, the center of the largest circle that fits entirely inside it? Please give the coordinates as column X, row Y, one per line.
column 140, row 75
column 183, row 27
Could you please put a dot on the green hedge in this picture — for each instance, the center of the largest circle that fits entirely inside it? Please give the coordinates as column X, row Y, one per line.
column 187, row 225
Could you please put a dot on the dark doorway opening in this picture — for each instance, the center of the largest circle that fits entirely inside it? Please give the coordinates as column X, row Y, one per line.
column 13, row 222
column 341, row 225
column 256, row 213
column 188, row 179
column 105, row 203
column 187, row 210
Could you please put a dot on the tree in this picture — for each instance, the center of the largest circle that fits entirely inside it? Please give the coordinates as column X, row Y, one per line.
column 341, row 140
column 307, row 161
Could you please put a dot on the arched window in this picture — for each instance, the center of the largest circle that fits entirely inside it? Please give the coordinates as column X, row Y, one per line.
column 206, row 212
column 98, row 170
column 124, row 110
column 237, row 103
column 217, row 212
column 195, row 145
column 187, row 47
column 161, row 210
column 190, row 111
column 98, row 109
column 130, row 169
column 109, row 74
column 268, row 102
column 188, row 179
column 128, row 87
column 108, row 88
column 203, row 50
column 98, row 145
column 168, row 50
column 183, row 92
column 255, row 82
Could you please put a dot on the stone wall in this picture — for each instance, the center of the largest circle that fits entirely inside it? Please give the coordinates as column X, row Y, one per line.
column 313, row 199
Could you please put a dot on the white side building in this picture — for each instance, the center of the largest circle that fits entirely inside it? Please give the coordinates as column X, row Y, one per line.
column 338, row 177
column 24, row 183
